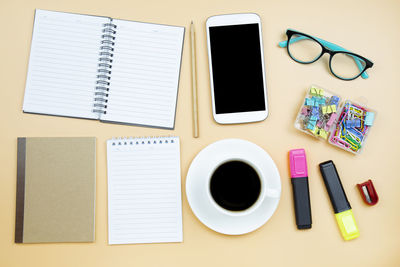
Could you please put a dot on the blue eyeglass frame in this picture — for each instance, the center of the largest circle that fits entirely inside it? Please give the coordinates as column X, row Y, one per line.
column 329, row 48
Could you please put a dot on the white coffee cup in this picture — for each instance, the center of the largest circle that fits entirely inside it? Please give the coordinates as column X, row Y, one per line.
column 263, row 193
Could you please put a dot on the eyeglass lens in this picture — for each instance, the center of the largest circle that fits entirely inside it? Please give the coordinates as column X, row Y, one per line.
column 347, row 66
column 303, row 49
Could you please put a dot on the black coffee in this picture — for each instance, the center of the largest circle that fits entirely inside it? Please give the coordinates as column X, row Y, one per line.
column 235, row 186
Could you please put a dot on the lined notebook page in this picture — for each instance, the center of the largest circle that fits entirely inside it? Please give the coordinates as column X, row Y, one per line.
column 145, row 74
column 63, row 64
column 144, row 190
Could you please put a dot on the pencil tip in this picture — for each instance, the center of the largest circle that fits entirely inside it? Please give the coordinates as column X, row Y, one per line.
column 191, row 22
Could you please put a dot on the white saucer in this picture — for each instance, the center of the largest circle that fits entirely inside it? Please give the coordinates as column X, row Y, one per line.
column 197, row 186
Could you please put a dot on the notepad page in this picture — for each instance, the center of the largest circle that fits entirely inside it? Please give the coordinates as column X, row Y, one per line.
column 144, row 190
column 63, row 64
column 145, row 74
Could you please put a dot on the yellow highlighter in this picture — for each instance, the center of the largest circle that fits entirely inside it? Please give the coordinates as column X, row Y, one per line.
column 341, row 206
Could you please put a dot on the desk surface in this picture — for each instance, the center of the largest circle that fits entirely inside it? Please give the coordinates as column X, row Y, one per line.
column 370, row 28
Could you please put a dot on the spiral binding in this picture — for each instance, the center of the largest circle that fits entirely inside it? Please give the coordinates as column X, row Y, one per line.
column 132, row 141
column 104, row 68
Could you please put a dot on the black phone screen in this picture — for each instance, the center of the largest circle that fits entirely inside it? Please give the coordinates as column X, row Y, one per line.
column 237, row 68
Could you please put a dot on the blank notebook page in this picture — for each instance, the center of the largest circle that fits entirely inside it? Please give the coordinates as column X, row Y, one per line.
column 144, row 190
column 63, row 64
column 145, row 74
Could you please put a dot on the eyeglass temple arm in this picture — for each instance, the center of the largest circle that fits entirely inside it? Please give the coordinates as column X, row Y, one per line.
column 331, row 46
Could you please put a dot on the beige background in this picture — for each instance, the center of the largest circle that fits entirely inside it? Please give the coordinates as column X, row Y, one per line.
column 370, row 28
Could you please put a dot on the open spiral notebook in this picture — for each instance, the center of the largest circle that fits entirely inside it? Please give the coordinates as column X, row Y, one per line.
column 144, row 190
column 101, row 68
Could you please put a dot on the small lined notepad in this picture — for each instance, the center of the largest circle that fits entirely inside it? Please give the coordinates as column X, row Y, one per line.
column 102, row 68
column 144, row 190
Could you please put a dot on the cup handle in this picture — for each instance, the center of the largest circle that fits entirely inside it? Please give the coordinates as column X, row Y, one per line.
column 272, row 193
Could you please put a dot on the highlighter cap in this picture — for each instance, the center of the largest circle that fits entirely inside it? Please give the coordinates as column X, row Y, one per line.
column 347, row 224
column 298, row 163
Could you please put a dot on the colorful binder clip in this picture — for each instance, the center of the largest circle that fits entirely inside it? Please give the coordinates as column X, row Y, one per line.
column 368, row 193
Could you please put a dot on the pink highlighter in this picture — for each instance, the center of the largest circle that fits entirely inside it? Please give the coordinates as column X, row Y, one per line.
column 301, row 193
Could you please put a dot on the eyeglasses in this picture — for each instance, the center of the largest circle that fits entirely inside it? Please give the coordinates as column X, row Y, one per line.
column 343, row 64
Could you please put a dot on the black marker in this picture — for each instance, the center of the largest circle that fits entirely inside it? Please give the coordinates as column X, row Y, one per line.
column 301, row 193
column 341, row 206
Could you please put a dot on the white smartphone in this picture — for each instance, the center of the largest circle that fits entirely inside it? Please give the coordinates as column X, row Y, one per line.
column 237, row 72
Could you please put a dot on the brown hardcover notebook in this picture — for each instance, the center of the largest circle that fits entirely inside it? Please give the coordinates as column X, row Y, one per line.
column 56, row 180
